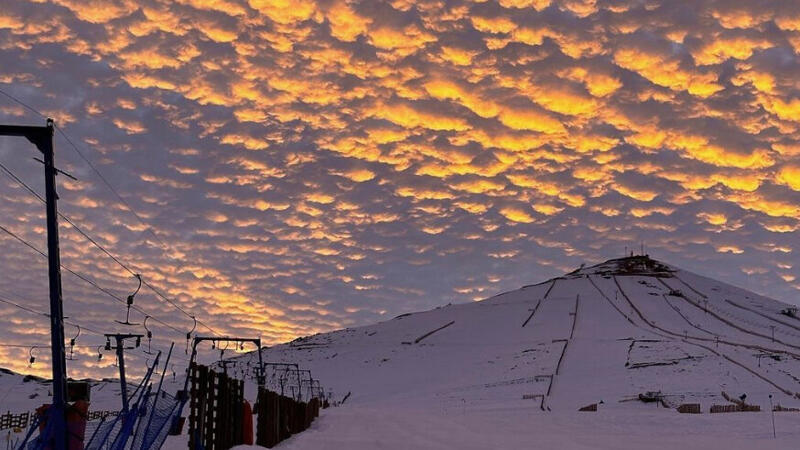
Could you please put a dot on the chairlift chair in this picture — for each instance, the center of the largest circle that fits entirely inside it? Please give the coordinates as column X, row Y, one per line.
column 72, row 344
column 149, row 336
column 129, row 303
column 31, row 357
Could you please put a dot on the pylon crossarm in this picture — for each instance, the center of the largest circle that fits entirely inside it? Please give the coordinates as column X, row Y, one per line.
column 39, row 136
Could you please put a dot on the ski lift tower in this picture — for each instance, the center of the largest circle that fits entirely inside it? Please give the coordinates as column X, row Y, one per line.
column 42, row 138
column 238, row 340
column 120, row 348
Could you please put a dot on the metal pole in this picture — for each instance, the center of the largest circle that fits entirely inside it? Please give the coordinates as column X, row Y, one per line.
column 42, row 138
column 772, row 410
column 122, row 382
column 120, row 349
column 189, row 369
column 56, row 305
column 262, row 377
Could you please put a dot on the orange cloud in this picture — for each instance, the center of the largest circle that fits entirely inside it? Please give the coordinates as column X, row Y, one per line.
column 789, row 175
column 666, row 72
column 346, row 24
column 530, row 119
column 98, row 11
column 285, row 11
column 515, row 214
column 448, row 90
column 408, row 117
column 298, row 140
column 493, row 24
column 721, row 49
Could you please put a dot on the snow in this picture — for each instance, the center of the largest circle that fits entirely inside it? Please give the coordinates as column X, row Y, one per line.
column 20, row 393
column 361, row 428
column 472, row 376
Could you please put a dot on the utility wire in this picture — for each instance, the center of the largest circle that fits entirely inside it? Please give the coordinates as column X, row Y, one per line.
column 138, row 217
column 171, row 302
column 92, row 166
column 149, row 229
column 48, row 346
column 103, row 249
column 33, row 311
column 88, row 280
column 25, row 346
column 28, row 107
column 111, row 188
column 82, row 328
column 141, row 354
column 76, row 227
column 24, row 308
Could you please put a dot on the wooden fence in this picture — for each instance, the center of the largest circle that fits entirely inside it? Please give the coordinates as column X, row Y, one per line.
column 280, row 417
column 689, row 408
column 215, row 410
column 779, row 408
column 734, row 408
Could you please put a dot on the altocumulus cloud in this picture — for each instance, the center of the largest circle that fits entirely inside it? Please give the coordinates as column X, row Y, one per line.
column 313, row 165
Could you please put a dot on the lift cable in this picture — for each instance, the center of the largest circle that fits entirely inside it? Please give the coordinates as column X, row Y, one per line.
column 164, row 246
column 86, row 279
column 103, row 249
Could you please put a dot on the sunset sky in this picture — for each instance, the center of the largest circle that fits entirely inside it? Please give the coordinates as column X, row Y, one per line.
column 308, row 166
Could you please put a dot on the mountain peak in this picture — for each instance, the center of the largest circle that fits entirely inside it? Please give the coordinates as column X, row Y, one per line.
column 630, row 265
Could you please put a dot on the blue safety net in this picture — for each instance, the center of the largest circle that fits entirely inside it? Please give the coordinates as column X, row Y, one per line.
column 106, row 432
column 148, row 421
column 156, row 421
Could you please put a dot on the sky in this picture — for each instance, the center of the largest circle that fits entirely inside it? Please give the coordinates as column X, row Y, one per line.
column 294, row 167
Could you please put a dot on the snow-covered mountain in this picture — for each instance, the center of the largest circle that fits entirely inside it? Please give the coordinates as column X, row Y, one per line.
column 514, row 369
column 608, row 332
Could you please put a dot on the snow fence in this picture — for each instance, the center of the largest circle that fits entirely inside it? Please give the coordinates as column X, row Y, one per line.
column 280, row 417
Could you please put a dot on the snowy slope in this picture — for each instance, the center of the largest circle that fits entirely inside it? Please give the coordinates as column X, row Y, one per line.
column 479, row 375
column 24, row 393
column 514, row 369
column 607, row 332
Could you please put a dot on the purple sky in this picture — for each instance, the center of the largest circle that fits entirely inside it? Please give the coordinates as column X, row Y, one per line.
column 308, row 166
